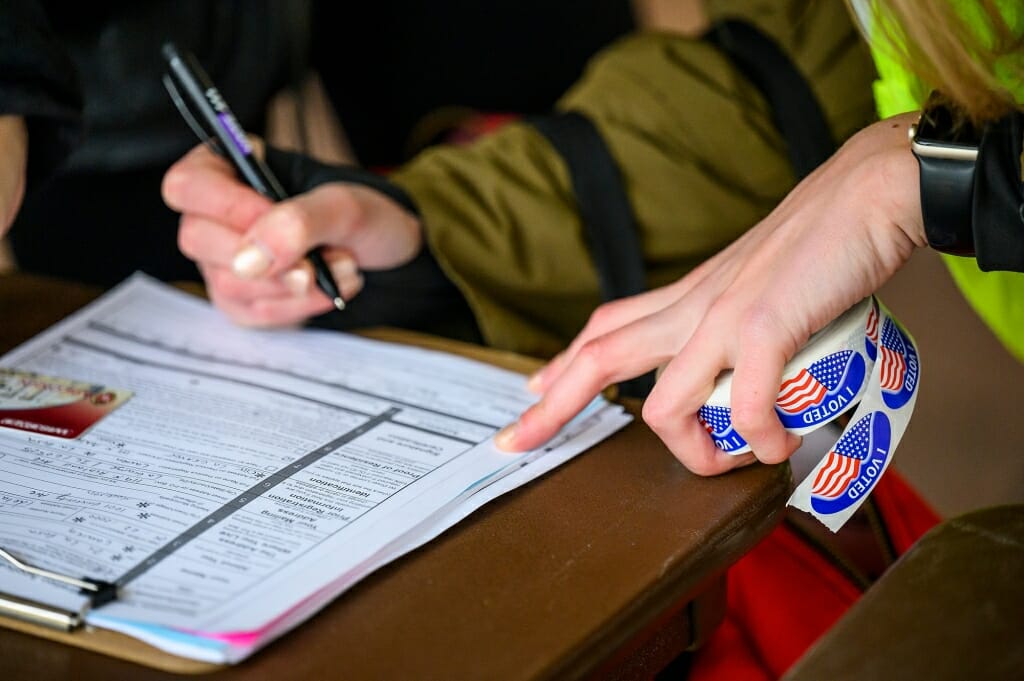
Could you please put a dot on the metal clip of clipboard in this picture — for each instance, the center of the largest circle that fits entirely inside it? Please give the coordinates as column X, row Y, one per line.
column 98, row 592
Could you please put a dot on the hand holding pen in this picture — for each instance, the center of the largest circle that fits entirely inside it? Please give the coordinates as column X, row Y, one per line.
column 255, row 255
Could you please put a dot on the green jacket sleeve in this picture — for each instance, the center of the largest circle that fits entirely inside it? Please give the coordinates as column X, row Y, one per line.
column 694, row 142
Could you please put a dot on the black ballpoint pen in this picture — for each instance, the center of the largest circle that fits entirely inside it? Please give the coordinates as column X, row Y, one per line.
column 206, row 112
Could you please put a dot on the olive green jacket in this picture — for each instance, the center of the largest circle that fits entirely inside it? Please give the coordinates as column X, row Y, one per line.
column 700, row 159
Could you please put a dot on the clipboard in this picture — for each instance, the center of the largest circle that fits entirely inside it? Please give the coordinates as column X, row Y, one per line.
column 66, row 627
column 115, row 645
column 682, row 533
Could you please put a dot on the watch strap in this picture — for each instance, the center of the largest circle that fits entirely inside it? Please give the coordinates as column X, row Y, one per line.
column 947, row 188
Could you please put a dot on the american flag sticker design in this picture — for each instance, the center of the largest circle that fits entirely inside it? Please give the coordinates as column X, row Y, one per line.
column 853, row 466
column 899, row 366
column 871, row 332
column 822, row 390
column 718, row 422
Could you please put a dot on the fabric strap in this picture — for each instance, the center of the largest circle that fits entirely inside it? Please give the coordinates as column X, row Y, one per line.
column 597, row 184
column 795, row 110
column 601, row 200
column 605, row 212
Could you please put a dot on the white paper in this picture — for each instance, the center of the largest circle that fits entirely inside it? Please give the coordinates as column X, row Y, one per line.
column 254, row 475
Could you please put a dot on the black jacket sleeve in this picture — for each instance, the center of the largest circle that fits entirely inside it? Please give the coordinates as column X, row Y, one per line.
column 38, row 81
column 998, row 210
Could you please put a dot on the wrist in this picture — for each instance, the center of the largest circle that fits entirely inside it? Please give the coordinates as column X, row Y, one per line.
column 375, row 228
column 900, row 179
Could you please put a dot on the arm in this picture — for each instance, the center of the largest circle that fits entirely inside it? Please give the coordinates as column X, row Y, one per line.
column 251, row 252
column 836, row 238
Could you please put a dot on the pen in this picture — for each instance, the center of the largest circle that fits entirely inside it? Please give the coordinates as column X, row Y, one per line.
column 206, row 112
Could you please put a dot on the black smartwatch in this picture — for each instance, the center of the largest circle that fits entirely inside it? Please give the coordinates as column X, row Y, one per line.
column 946, row 147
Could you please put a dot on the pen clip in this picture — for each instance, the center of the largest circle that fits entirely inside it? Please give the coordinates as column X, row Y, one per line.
column 202, row 133
column 206, row 112
column 98, row 591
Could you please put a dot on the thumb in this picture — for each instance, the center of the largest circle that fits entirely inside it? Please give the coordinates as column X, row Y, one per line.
column 375, row 230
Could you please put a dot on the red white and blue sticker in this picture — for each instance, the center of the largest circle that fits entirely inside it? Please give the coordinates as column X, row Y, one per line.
column 853, row 465
column 871, row 332
column 815, row 396
column 822, row 391
column 900, row 366
column 844, row 478
column 718, row 422
column 864, row 359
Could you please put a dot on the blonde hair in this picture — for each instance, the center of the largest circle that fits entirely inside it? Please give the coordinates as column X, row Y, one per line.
column 939, row 42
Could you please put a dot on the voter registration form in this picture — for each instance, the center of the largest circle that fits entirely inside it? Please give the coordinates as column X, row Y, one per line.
column 252, row 475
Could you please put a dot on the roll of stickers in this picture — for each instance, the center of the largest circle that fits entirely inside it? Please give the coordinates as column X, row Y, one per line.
column 864, row 359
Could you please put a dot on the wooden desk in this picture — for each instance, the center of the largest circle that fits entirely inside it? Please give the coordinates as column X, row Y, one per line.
column 609, row 566
column 949, row 609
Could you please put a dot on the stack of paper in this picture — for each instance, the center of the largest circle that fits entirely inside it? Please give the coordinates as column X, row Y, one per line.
column 252, row 476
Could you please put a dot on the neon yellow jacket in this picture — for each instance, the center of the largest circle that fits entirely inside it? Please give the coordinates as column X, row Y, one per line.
column 997, row 297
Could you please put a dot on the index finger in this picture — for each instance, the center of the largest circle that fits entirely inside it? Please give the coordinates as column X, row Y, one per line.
column 603, row 320
column 205, row 184
column 600, row 362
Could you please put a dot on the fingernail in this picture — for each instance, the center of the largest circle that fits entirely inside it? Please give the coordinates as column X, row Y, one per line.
column 505, row 436
column 297, row 280
column 793, row 442
column 252, row 261
column 535, row 381
column 343, row 268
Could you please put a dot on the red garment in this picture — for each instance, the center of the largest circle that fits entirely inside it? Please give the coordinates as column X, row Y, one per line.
column 785, row 593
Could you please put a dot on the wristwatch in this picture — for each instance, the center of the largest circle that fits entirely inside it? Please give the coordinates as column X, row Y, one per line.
column 946, row 147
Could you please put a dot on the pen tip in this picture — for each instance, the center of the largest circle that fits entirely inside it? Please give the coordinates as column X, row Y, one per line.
column 339, row 303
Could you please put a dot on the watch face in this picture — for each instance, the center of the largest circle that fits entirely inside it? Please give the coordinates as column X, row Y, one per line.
column 938, row 126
